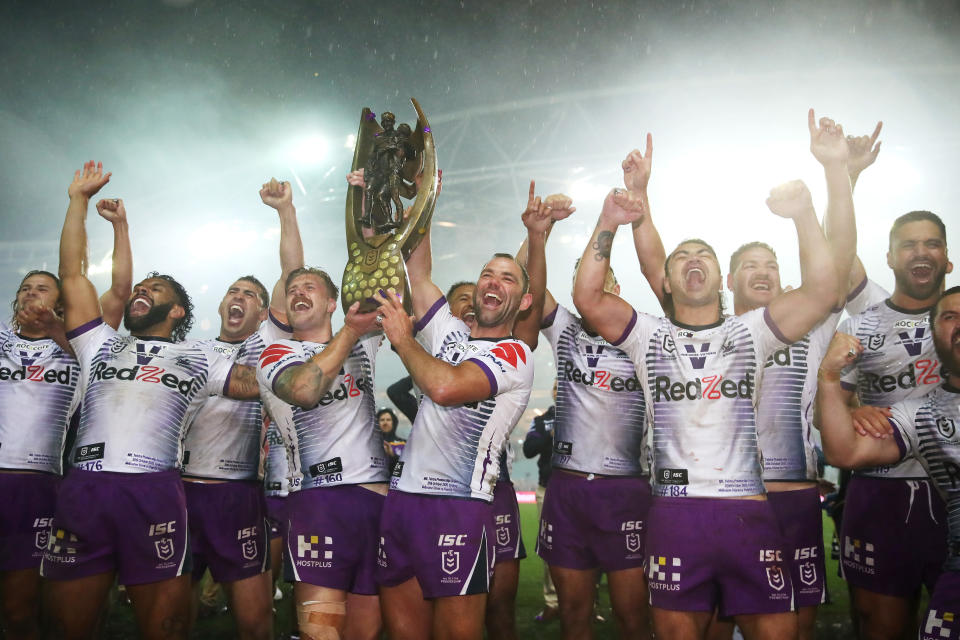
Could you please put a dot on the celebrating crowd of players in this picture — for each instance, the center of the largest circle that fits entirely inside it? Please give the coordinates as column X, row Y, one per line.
column 685, row 446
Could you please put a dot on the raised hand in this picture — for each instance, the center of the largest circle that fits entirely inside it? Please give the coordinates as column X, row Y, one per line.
column 863, row 151
column 361, row 323
column 843, row 351
column 39, row 317
column 355, row 178
column 276, row 194
column 88, row 180
column 790, row 199
column 536, row 217
column 112, row 210
column 622, row 206
column 396, row 324
column 827, row 142
column 560, row 206
column 636, row 168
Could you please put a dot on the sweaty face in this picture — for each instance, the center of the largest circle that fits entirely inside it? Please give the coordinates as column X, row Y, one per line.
column 499, row 292
column 946, row 332
column 37, row 290
column 386, row 422
column 694, row 274
column 149, row 305
column 756, row 280
column 918, row 257
column 461, row 303
column 308, row 303
column 241, row 310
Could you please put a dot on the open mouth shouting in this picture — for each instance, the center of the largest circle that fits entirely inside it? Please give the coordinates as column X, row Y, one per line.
column 694, row 274
column 300, row 304
column 140, row 305
column 922, row 270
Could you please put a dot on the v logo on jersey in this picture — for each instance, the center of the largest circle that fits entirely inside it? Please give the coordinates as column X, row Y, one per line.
column 915, row 344
column 25, row 359
column 273, row 353
column 697, row 361
column 510, row 352
column 593, row 358
column 142, row 357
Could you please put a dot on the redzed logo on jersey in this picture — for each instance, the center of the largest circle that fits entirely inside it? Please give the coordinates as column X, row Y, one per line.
column 510, row 352
column 273, row 353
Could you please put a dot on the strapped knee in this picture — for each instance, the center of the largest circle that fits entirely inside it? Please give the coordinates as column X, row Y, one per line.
column 321, row 620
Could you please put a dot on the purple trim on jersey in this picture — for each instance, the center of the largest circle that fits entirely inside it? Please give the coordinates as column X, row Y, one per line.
column 626, row 332
column 276, row 322
column 422, row 322
column 276, row 376
column 82, row 329
column 857, row 289
column 899, row 438
column 492, row 380
column 226, row 383
column 848, row 386
column 549, row 318
column 773, row 326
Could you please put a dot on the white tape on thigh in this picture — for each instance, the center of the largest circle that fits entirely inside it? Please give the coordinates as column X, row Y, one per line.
column 321, row 620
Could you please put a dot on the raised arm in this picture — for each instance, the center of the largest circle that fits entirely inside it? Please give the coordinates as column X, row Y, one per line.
column 842, row 445
column 797, row 311
column 607, row 313
column 423, row 292
column 113, row 301
column 646, row 239
column 304, row 385
column 829, row 147
column 862, row 152
column 445, row 384
column 80, row 304
column 279, row 196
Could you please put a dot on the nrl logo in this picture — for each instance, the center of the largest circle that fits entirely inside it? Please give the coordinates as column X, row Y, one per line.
column 775, row 578
column 503, row 536
column 249, row 549
column 450, row 561
column 633, row 542
column 42, row 540
column 164, row 548
column 808, row 573
column 668, row 345
column 946, row 427
column 876, row 341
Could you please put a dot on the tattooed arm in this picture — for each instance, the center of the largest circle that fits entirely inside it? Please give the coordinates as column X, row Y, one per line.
column 608, row 314
column 243, row 383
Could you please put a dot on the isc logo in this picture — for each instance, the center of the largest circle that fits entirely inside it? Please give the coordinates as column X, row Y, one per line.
column 504, row 518
column 42, row 522
column 246, row 532
column 805, row 553
column 452, row 540
column 162, row 527
column 632, row 525
column 770, row 555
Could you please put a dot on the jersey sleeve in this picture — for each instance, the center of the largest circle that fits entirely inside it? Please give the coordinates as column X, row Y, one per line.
column 766, row 334
column 865, row 295
column 87, row 338
column 636, row 338
column 275, row 359
column 508, row 365
column 904, row 422
column 218, row 372
column 552, row 326
column 272, row 330
column 435, row 324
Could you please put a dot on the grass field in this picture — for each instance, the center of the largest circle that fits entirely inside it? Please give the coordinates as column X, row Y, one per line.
column 833, row 620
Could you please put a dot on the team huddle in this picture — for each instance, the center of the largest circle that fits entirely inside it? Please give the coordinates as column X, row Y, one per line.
column 687, row 442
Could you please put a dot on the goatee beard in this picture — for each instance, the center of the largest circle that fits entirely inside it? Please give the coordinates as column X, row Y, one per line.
column 157, row 314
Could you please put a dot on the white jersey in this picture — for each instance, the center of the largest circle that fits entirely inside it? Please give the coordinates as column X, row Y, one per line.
column 701, row 384
column 38, row 394
column 929, row 429
column 601, row 409
column 455, row 451
column 276, row 477
column 223, row 441
column 785, row 430
column 139, row 395
column 337, row 442
column 898, row 362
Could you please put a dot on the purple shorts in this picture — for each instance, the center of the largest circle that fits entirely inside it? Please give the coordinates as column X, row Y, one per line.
column 332, row 538
column 277, row 515
column 228, row 529
column 442, row 542
column 942, row 619
column 889, row 543
column 594, row 523
column 704, row 553
column 131, row 523
column 507, row 541
column 801, row 524
column 29, row 499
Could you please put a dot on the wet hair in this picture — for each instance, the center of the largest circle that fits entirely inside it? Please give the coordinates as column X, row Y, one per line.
column 388, row 410
column 935, row 309
column 668, row 297
column 320, row 273
column 918, row 216
column 37, row 272
column 735, row 256
column 261, row 290
column 184, row 324
column 457, row 285
column 523, row 270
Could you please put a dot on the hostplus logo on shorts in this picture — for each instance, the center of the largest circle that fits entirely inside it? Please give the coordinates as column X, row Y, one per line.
column 546, row 534
column 62, row 548
column 664, row 573
column 939, row 624
column 309, row 551
column 858, row 555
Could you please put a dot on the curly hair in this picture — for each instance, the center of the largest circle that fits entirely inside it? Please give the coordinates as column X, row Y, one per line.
column 183, row 326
